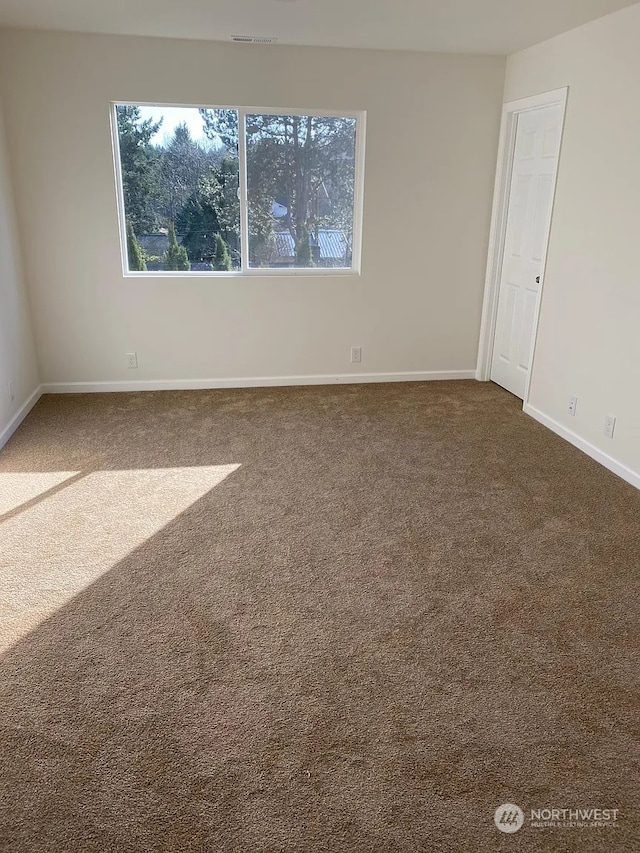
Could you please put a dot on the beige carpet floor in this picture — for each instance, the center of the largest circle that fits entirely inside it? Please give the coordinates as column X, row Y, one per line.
column 348, row 619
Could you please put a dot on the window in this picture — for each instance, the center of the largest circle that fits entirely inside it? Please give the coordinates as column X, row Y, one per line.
column 220, row 190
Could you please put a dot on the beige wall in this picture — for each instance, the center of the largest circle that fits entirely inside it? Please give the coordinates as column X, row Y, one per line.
column 589, row 335
column 17, row 352
column 432, row 130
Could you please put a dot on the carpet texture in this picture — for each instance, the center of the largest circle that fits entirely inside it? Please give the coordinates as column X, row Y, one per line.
column 351, row 619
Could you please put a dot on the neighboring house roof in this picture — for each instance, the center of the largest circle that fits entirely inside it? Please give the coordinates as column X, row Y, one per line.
column 333, row 245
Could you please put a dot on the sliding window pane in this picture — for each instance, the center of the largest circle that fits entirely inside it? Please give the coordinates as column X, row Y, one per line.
column 179, row 172
column 300, row 185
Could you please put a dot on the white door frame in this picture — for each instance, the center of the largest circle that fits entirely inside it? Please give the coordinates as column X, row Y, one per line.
column 506, row 151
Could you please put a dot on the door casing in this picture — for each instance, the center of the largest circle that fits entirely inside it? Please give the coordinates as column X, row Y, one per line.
column 506, row 150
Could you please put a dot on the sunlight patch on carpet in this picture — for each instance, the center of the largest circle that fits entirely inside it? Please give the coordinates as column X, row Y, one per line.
column 21, row 487
column 60, row 545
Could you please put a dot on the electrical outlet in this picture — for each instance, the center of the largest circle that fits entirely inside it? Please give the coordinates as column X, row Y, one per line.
column 12, row 393
column 573, row 405
column 356, row 355
column 609, row 426
column 132, row 360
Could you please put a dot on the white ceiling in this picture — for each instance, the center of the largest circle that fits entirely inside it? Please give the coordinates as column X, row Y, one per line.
column 474, row 26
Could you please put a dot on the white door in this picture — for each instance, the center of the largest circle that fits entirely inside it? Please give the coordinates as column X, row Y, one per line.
column 528, row 222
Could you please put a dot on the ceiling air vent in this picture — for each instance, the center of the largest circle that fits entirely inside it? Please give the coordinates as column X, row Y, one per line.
column 254, row 39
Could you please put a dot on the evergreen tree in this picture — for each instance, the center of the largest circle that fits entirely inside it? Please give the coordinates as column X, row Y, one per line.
column 139, row 162
column 304, row 256
column 211, row 210
column 175, row 258
column 137, row 262
column 222, row 258
column 183, row 161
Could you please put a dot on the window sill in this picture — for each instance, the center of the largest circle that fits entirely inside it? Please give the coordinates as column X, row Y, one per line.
column 250, row 273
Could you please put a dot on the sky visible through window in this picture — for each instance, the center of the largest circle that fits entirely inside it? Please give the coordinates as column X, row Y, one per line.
column 172, row 117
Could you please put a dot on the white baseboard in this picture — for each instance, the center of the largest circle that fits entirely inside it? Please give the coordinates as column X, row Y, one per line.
column 591, row 450
column 250, row 382
column 19, row 416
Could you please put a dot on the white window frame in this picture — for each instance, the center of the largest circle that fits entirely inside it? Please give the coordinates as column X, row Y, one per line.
column 246, row 271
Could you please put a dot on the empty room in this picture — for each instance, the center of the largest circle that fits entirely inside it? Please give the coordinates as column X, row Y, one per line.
column 319, row 426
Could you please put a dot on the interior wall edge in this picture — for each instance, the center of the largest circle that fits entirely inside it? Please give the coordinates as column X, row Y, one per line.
column 20, row 415
column 604, row 459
